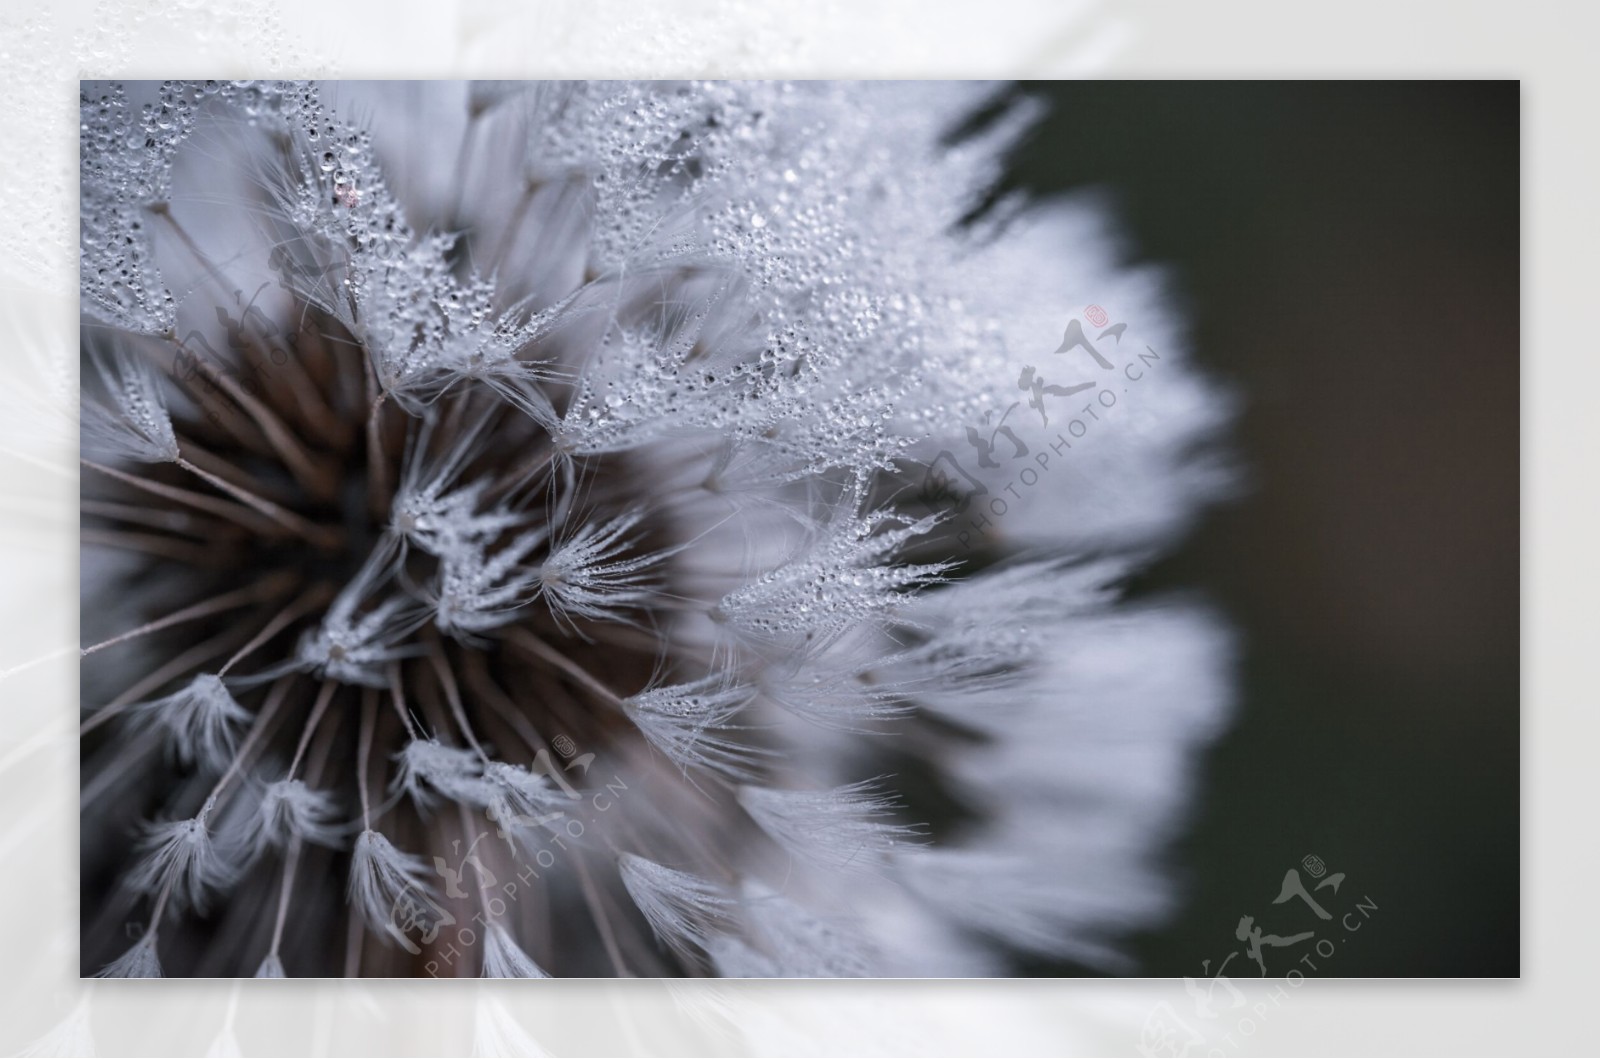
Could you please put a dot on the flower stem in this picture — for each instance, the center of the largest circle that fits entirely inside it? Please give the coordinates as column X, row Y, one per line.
column 311, row 598
column 324, row 696
column 322, row 536
column 267, row 586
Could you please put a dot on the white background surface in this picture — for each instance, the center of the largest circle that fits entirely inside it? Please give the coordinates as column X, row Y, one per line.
column 1547, row 45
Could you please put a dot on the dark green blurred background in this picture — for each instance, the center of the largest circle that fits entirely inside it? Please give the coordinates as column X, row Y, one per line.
column 1348, row 255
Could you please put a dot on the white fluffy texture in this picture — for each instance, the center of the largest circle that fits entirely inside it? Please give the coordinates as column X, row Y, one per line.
column 502, row 958
column 478, row 591
column 846, row 828
column 842, row 580
column 585, row 576
column 181, row 858
column 518, row 799
column 290, row 810
column 119, row 279
column 1088, row 781
column 838, row 690
column 687, row 722
column 787, row 941
column 1130, row 481
column 428, row 768
column 496, row 1032
column 970, row 652
column 380, row 875
column 72, row 1036
column 361, row 630
column 681, row 908
column 435, row 509
column 130, row 420
column 202, row 721
column 141, row 961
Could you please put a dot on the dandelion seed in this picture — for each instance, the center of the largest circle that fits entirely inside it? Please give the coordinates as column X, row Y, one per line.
column 681, row 909
column 845, row 828
column 477, row 592
column 180, row 856
column 380, row 875
column 427, row 767
column 132, row 423
column 352, row 645
column 434, row 509
column 586, row 576
column 841, row 690
column 289, row 811
column 141, row 961
column 841, row 581
column 686, row 721
column 503, row 959
column 202, row 721
column 796, row 943
column 119, row 278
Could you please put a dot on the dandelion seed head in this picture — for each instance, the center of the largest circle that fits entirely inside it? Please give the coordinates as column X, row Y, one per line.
column 517, row 474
